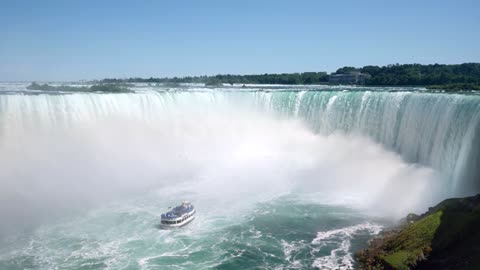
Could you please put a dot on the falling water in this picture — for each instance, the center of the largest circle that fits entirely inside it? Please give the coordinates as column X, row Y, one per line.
column 290, row 177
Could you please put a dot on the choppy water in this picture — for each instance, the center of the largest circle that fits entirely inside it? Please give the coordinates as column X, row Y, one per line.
column 284, row 233
column 282, row 177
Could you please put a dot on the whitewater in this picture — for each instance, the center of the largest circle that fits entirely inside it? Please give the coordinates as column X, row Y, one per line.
column 283, row 177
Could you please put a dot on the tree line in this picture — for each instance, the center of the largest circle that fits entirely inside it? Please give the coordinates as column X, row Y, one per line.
column 390, row 75
column 416, row 74
column 284, row 78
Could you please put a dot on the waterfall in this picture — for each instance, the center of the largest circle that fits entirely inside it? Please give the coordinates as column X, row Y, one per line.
column 441, row 131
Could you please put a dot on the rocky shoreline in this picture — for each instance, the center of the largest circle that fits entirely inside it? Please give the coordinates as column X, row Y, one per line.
column 447, row 236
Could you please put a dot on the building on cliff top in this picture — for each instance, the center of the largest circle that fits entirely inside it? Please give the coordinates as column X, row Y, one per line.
column 354, row 77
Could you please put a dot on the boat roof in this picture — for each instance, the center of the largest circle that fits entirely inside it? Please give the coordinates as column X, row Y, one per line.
column 178, row 211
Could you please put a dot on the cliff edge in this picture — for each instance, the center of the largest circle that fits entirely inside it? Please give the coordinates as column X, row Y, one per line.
column 447, row 236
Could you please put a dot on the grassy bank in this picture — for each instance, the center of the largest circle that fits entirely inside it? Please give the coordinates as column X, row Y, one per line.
column 445, row 237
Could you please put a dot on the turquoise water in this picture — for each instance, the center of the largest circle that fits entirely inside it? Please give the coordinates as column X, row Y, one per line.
column 282, row 177
column 283, row 233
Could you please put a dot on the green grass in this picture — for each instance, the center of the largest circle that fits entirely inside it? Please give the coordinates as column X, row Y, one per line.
column 412, row 243
column 445, row 237
column 398, row 259
column 418, row 234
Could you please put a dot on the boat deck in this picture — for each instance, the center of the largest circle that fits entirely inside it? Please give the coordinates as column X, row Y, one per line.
column 178, row 211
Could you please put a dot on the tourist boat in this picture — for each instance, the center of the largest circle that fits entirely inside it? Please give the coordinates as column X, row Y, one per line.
column 178, row 216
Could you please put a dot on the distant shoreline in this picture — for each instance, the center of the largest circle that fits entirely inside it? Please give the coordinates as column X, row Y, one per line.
column 448, row 78
column 112, row 88
column 460, row 77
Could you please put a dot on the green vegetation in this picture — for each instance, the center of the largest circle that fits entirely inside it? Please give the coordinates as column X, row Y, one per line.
column 47, row 87
column 464, row 77
column 109, row 88
column 456, row 87
column 446, row 237
column 413, row 243
column 284, row 78
column 345, row 70
column 416, row 74
column 398, row 259
column 214, row 82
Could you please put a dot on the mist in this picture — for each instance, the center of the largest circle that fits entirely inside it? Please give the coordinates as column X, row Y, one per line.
column 224, row 153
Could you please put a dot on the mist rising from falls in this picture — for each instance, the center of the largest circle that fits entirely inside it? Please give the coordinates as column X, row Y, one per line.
column 64, row 151
column 436, row 130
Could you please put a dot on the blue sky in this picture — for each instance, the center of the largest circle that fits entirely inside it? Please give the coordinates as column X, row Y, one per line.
column 73, row 40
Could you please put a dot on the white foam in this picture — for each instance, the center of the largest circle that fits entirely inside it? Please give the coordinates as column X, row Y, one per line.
column 289, row 250
column 340, row 257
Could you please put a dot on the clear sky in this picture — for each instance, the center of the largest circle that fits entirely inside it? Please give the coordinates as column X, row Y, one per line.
column 93, row 39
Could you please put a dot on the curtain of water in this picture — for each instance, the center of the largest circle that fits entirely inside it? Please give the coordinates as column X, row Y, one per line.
column 437, row 130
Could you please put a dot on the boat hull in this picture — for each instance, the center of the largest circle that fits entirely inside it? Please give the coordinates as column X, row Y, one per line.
column 177, row 225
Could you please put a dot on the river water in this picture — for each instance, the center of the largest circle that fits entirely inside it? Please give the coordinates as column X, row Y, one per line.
column 281, row 177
